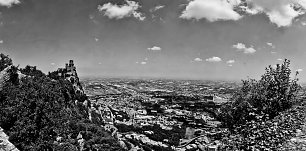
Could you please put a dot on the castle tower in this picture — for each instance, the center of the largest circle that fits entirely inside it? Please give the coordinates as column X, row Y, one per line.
column 71, row 63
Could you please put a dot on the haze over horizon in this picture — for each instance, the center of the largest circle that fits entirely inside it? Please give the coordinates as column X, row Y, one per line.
column 186, row 39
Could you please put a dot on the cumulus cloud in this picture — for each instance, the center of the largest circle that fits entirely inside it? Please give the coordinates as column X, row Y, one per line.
column 279, row 59
column 230, row 61
column 212, row 10
column 120, row 11
column 8, row 3
column 242, row 47
column 270, row 44
column 299, row 70
column 155, row 48
column 197, row 59
column 214, row 59
column 280, row 12
column 143, row 63
column 1, row 41
column 303, row 23
column 157, row 8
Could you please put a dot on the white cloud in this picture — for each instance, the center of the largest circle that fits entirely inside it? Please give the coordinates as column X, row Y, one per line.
column 197, row 59
column 146, row 59
column 270, row 44
column 230, row 65
column 303, row 23
column 279, row 59
column 136, row 62
column 280, row 12
column 155, row 48
column 212, row 10
column 249, row 50
column 8, row 3
column 120, row 11
column 273, row 52
column 1, row 41
column 96, row 39
column 299, row 70
column 214, row 59
column 239, row 46
column 52, row 63
column 143, row 62
column 230, row 61
column 157, row 8
column 246, row 50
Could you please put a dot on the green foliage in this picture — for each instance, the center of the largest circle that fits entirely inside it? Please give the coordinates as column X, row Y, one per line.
column 36, row 110
column 272, row 94
column 5, row 61
column 54, row 75
column 32, row 71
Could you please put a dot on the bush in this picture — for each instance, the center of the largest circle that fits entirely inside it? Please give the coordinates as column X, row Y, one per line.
column 272, row 94
column 5, row 61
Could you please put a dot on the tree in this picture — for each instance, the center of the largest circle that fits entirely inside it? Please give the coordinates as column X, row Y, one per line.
column 272, row 94
column 5, row 61
column 32, row 71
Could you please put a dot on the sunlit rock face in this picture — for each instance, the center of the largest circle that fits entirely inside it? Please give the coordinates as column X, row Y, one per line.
column 4, row 76
column 4, row 143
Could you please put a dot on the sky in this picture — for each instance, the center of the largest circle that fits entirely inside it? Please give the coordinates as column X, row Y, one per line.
column 186, row 39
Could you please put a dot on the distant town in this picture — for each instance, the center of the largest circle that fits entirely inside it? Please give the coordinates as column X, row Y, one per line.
column 176, row 114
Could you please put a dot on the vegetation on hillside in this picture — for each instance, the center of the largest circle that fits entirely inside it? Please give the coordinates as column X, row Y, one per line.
column 39, row 113
column 260, row 115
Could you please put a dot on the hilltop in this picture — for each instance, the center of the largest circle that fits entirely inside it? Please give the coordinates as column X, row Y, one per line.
column 42, row 113
column 52, row 112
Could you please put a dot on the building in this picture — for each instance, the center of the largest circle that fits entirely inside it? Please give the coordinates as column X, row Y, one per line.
column 68, row 71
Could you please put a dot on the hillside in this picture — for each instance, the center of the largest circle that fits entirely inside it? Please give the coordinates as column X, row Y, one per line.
column 40, row 113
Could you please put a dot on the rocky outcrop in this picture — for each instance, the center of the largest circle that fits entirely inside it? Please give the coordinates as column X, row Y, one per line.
column 4, row 76
column 5, row 145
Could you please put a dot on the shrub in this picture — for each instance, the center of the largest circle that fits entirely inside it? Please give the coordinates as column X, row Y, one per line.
column 5, row 61
column 273, row 93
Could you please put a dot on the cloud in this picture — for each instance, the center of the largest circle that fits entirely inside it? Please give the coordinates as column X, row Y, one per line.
column 197, row 59
column 242, row 47
column 96, row 39
column 8, row 3
column 214, row 59
column 230, row 61
column 157, row 8
column 52, row 63
column 1, row 41
column 273, row 52
column 280, row 12
column 270, row 44
column 299, row 70
column 146, row 59
column 120, row 11
column 155, row 48
column 303, row 23
column 212, row 10
column 143, row 62
column 279, row 59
